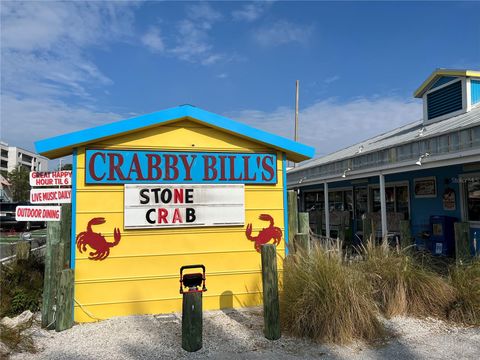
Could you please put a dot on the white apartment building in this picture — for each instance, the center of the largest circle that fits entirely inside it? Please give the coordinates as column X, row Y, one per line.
column 12, row 156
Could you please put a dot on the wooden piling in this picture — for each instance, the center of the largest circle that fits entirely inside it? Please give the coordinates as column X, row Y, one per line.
column 271, row 305
column 65, row 233
column 462, row 243
column 292, row 216
column 405, row 234
column 192, row 321
column 367, row 229
column 302, row 242
column 64, row 318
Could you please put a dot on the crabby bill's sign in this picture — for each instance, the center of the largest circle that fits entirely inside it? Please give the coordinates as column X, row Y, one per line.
column 179, row 189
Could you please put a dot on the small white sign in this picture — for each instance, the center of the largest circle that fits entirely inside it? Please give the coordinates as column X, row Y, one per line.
column 51, row 178
column 38, row 213
column 51, row 196
column 183, row 205
column 438, row 248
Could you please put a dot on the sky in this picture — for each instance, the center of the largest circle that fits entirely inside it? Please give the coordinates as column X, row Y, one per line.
column 67, row 66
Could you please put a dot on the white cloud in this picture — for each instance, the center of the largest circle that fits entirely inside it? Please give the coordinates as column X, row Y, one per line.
column 331, row 79
column 330, row 125
column 45, row 62
column 282, row 32
column 250, row 12
column 192, row 41
column 153, row 40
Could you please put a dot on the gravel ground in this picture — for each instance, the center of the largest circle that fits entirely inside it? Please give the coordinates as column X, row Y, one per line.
column 237, row 334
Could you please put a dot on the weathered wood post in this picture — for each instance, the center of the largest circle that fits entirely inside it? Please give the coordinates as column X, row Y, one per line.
column 367, row 229
column 65, row 301
column 302, row 238
column 52, row 260
column 65, row 233
column 271, row 305
column 405, row 234
column 192, row 321
column 292, row 217
column 462, row 243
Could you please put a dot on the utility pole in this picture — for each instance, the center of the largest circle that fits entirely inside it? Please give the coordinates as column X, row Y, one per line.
column 297, row 85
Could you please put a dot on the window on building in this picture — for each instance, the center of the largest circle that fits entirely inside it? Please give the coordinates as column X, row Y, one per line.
column 361, row 202
column 397, row 199
column 472, row 196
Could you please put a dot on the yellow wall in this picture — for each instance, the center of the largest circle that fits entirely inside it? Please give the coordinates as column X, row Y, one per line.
column 141, row 274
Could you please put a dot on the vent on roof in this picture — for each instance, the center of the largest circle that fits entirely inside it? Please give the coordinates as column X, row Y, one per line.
column 445, row 100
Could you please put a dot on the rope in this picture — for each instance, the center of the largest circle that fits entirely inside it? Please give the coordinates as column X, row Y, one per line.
column 87, row 312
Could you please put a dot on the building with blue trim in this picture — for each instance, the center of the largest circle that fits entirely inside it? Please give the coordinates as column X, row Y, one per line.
column 427, row 172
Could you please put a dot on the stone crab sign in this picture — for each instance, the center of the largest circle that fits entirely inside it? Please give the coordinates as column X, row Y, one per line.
column 175, row 205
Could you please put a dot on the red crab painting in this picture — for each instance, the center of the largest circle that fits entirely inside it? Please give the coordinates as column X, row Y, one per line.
column 96, row 241
column 266, row 234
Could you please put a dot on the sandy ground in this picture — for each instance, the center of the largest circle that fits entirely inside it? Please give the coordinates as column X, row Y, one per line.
column 237, row 334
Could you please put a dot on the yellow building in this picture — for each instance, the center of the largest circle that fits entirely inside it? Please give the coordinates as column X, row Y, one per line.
column 177, row 187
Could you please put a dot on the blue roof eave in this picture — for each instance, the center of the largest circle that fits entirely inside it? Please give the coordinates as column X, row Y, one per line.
column 64, row 144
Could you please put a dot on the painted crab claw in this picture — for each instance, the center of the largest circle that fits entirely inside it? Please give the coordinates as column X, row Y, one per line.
column 116, row 234
column 248, row 230
column 97, row 221
column 265, row 217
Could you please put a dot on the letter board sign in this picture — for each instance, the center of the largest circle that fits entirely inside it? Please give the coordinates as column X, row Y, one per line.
column 176, row 205
column 147, row 167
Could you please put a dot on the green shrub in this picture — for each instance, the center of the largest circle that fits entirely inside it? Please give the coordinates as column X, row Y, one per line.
column 327, row 301
column 22, row 284
column 466, row 281
column 16, row 340
column 404, row 283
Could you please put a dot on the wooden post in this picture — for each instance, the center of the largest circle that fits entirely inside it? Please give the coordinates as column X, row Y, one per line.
column 52, row 258
column 65, row 233
column 65, row 301
column 192, row 321
column 367, row 229
column 318, row 221
column 23, row 250
column 462, row 243
column 303, row 223
column 271, row 306
column 405, row 234
column 292, row 216
column 341, row 229
column 302, row 243
column 302, row 238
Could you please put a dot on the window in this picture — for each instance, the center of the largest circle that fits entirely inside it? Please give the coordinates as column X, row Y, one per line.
column 397, row 199
column 361, row 202
column 472, row 195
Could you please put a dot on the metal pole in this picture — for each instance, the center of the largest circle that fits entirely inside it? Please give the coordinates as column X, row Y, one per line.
column 327, row 212
column 297, row 85
column 383, row 205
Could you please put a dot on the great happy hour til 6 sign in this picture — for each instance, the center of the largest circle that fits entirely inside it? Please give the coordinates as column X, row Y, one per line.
column 51, row 178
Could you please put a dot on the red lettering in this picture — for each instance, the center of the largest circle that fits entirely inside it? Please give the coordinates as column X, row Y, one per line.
column 209, row 165
column 268, row 168
column 136, row 168
column 162, row 215
column 246, row 159
column 232, row 169
column 177, row 196
column 116, row 162
column 177, row 217
column 171, row 162
column 154, row 161
column 187, row 165
column 91, row 166
column 222, row 167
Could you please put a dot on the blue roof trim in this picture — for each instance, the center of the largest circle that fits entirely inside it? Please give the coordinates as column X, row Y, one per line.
column 100, row 132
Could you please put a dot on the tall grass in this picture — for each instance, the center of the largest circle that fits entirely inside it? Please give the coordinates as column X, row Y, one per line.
column 466, row 281
column 403, row 283
column 325, row 300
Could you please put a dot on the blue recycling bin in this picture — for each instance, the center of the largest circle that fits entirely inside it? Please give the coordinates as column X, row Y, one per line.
column 442, row 239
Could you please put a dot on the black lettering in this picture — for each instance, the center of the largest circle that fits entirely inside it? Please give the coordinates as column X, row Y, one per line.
column 155, row 191
column 190, row 215
column 144, row 195
column 147, row 216
column 166, row 196
column 189, row 196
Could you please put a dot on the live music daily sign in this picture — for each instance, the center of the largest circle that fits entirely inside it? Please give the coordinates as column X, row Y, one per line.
column 51, row 196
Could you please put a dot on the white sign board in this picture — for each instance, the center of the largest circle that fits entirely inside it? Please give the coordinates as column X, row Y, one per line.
column 51, row 178
column 38, row 213
column 183, row 205
column 51, row 196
